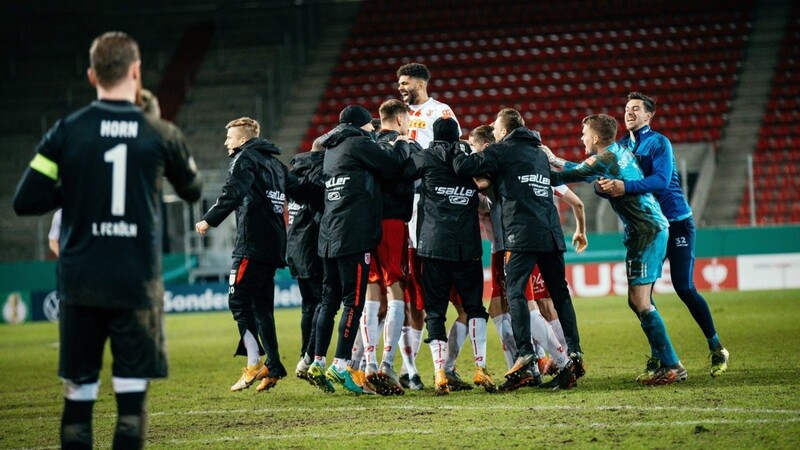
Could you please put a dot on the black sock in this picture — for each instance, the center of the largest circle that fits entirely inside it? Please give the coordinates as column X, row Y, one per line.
column 131, row 421
column 76, row 425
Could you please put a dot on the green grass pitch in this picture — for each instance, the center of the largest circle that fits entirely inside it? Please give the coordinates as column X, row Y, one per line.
column 756, row 404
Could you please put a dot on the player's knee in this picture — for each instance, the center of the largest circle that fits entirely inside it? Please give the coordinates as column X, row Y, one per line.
column 684, row 290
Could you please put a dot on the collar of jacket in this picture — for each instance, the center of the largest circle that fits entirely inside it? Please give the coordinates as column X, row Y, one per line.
column 342, row 132
column 524, row 134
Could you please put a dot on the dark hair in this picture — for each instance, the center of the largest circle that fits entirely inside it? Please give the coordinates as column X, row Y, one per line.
column 110, row 57
column 604, row 125
column 511, row 119
column 649, row 102
column 392, row 108
column 414, row 70
column 483, row 134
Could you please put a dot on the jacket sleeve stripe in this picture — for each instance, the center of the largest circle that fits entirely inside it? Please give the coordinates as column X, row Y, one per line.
column 45, row 166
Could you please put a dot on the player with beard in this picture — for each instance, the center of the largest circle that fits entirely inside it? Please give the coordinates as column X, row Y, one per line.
column 412, row 80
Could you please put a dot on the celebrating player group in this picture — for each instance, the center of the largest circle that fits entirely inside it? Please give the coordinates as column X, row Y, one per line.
column 385, row 218
column 385, row 222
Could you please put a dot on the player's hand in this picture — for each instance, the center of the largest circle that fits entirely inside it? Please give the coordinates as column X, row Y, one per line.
column 401, row 137
column 202, row 226
column 551, row 158
column 579, row 242
column 463, row 147
column 614, row 188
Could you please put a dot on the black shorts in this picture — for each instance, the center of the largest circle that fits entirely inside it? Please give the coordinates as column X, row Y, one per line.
column 136, row 335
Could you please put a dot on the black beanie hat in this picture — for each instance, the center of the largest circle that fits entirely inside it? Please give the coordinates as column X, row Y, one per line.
column 355, row 115
column 445, row 130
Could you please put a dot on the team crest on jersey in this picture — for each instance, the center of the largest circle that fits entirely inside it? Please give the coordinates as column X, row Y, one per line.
column 367, row 258
column 429, row 112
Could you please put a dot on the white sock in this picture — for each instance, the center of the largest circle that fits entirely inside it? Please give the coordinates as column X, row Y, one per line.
column 369, row 330
column 543, row 332
column 405, row 349
column 455, row 340
column 498, row 326
column 508, row 336
column 358, row 350
column 556, row 324
column 307, row 359
column 416, row 343
column 251, row 345
column 340, row 364
column 395, row 314
column 320, row 360
column 410, row 349
column 477, row 333
column 538, row 349
column 439, row 353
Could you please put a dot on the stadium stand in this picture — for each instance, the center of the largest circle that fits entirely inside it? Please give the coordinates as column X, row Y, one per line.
column 554, row 69
column 554, row 62
column 776, row 162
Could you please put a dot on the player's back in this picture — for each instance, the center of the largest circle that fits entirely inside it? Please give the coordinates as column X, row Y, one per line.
column 111, row 162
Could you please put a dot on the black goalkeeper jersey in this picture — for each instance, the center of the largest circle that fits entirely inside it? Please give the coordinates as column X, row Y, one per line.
column 105, row 165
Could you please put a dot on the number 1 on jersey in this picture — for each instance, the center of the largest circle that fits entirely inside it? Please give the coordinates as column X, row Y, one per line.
column 118, row 157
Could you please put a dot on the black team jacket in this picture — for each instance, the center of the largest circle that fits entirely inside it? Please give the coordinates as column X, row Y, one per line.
column 256, row 190
column 521, row 174
column 305, row 212
column 398, row 195
column 447, row 221
column 353, row 163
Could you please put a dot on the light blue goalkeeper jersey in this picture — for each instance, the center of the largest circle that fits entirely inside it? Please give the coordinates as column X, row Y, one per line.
column 654, row 155
column 640, row 214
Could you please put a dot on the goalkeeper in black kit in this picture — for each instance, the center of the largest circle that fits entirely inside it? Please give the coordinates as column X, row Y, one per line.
column 104, row 166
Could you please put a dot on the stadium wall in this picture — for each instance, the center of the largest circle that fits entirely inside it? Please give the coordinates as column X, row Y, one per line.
column 727, row 259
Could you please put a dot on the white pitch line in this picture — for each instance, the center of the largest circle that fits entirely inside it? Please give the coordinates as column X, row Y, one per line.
column 520, row 408
column 481, row 429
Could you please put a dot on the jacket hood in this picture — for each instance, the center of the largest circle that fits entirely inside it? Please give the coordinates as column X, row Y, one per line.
column 340, row 133
column 444, row 150
column 524, row 134
column 262, row 146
